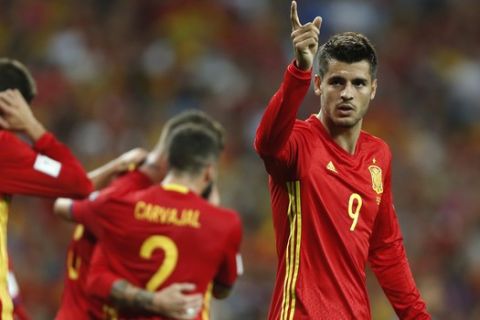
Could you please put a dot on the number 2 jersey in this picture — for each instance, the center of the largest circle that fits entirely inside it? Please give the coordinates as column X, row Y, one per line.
column 162, row 235
column 332, row 213
column 47, row 169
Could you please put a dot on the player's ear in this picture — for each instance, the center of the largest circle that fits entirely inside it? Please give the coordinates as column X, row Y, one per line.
column 374, row 89
column 209, row 173
column 317, row 85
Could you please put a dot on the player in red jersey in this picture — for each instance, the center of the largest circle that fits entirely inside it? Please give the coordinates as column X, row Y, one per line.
column 170, row 301
column 47, row 168
column 330, row 186
column 75, row 300
column 154, row 237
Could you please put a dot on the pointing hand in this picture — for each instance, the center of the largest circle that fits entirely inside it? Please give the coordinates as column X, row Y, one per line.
column 304, row 39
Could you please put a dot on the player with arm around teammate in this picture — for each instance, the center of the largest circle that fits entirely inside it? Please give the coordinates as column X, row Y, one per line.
column 158, row 234
column 75, row 300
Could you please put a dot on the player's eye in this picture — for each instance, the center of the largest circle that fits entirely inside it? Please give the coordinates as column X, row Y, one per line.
column 359, row 82
column 336, row 81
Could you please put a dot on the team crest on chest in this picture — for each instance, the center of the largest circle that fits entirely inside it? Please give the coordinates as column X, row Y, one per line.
column 376, row 173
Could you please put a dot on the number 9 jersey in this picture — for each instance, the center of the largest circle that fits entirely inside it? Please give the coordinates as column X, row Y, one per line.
column 332, row 212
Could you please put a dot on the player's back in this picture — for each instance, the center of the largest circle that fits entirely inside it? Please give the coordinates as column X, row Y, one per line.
column 168, row 234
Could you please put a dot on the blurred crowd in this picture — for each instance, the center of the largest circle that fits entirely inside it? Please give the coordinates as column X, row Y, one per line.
column 111, row 72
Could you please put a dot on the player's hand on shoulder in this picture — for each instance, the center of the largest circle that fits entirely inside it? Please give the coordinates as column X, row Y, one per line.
column 130, row 160
column 177, row 301
column 304, row 38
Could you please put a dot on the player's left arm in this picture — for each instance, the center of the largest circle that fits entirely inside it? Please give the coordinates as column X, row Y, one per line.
column 81, row 211
column 232, row 265
column 389, row 262
column 63, row 208
column 103, row 175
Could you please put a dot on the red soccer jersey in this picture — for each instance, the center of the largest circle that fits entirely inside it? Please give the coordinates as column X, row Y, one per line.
column 75, row 300
column 48, row 169
column 162, row 235
column 332, row 212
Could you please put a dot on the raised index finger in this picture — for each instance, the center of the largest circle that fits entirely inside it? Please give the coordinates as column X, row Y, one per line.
column 294, row 16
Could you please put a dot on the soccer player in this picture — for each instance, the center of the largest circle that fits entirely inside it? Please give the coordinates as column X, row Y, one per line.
column 75, row 300
column 45, row 168
column 170, row 301
column 166, row 233
column 330, row 186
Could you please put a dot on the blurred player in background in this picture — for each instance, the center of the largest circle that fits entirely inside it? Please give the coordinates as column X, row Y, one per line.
column 46, row 168
column 330, row 185
column 164, row 234
column 170, row 301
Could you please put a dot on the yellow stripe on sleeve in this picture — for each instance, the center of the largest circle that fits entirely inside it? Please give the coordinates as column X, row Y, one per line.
column 292, row 254
column 297, row 247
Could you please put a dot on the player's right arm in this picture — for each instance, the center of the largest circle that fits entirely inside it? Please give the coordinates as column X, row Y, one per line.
column 176, row 301
column 46, row 169
column 278, row 120
column 172, row 301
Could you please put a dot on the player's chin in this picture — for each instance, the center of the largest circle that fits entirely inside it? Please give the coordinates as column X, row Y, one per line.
column 345, row 122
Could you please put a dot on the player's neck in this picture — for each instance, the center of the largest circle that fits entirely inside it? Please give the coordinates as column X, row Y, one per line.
column 192, row 183
column 345, row 137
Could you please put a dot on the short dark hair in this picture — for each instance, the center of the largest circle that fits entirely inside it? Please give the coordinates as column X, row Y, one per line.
column 199, row 118
column 14, row 75
column 347, row 47
column 191, row 147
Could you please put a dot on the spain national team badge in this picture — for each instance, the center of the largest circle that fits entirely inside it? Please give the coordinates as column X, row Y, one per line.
column 376, row 173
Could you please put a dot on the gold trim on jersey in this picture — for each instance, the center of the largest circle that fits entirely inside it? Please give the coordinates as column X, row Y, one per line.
column 206, row 302
column 78, row 232
column 292, row 251
column 376, row 173
column 175, row 187
column 7, row 304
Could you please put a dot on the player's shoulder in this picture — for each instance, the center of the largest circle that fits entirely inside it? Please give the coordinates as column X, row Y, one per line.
column 305, row 128
column 129, row 182
column 302, row 125
column 226, row 215
column 8, row 137
column 375, row 142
